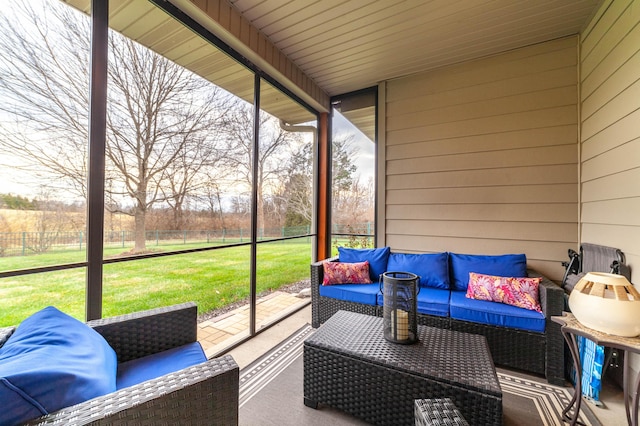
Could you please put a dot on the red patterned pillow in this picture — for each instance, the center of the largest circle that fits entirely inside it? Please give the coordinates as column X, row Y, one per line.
column 520, row 292
column 346, row 273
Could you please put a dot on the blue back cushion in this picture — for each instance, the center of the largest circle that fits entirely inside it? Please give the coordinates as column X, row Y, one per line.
column 432, row 268
column 156, row 365
column 505, row 265
column 377, row 258
column 430, row 301
column 50, row 362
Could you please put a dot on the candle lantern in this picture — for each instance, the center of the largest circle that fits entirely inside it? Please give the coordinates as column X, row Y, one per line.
column 400, row 323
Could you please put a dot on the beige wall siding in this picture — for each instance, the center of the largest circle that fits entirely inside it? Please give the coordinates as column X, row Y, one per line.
column 482, row 157
column 610, row 133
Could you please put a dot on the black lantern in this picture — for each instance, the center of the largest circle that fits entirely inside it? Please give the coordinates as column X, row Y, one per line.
column 400, row 321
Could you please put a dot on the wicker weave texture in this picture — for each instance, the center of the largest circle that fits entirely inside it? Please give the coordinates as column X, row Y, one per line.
column 438, row 412
column 205, row 394
column 144, row 333
column 510, row 347
column 349, row 365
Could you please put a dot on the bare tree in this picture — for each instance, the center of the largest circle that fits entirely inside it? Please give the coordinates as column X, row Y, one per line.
column 211, row 196
column 298, row 189
column 51, row 219
column 160, row 118
column 44, row 80
column 161, row 129
column 273, row 152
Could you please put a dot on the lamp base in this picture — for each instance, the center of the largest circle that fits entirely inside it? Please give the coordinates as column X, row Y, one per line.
column 605, row 310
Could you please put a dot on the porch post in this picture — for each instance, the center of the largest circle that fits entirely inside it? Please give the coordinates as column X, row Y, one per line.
column 323, row 202
column 97, row 143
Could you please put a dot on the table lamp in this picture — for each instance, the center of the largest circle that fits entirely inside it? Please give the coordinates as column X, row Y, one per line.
column 608, row 303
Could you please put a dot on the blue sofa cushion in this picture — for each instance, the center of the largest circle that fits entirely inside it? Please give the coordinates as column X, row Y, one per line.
column 377, row 258
column 358, row 293
column 430, row 301
column 505, row 265
column 432, row 268
column 156, row 365
column 50, row 362
column 485, row 312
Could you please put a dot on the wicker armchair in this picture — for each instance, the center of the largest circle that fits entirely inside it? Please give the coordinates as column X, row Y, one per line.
column 205, row 394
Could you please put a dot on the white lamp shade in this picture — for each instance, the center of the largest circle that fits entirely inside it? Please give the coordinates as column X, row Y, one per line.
column 607, row 303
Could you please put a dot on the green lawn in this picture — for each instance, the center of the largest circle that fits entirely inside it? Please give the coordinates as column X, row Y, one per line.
column 211, row 279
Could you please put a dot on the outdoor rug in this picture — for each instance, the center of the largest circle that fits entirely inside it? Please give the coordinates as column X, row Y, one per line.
column 271, row 393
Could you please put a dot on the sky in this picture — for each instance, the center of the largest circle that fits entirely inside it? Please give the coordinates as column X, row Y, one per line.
column 12, row 181
column 365, row 160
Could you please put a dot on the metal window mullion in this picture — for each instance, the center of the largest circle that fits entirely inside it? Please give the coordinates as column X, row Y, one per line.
column 254, row 205
column 97, row 144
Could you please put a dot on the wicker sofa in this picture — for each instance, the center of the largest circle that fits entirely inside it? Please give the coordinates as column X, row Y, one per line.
column 203, row 394
column 540, row 352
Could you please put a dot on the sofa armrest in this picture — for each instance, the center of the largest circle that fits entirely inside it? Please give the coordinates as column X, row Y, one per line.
column 5, row 333
column 551, row 295
column 317, row 274
column 205, row 394
column 552, row 304
column 144, row 333
column 317, row 271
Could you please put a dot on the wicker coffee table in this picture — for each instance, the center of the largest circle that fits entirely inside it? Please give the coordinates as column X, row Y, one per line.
column 349, row 365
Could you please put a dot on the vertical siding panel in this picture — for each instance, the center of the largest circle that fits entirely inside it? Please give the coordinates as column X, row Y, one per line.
column 610, row 140
column 496, row 111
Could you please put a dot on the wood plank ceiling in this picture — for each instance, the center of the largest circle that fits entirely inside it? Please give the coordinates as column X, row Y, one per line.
column 148, row 25
column 347, row 45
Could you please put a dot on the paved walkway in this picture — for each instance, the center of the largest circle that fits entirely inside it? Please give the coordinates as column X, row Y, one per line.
column 217, row 333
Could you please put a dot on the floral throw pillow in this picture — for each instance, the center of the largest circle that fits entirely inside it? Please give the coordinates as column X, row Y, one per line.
column 346, row 273
column 520, row 292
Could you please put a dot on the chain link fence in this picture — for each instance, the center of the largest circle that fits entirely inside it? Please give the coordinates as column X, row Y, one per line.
column 27, row 243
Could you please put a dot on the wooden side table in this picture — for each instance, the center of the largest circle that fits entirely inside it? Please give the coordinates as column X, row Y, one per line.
column 571, row 328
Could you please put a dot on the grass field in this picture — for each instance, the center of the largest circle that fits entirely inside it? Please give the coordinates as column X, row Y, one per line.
column 212, row 279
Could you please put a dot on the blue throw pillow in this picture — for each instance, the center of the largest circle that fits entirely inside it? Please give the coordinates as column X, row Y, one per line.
column 377, row 258
column 50, row 362
column 432, row 268
column 504, row 265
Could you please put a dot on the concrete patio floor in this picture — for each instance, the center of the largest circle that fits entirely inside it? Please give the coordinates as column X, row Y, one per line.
column 220, row 332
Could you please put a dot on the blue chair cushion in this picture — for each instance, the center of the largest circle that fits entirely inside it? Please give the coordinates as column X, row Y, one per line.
column 505, row 265
column 432, row 268
column 430, row 301
column 50, row 362
column 493, row 313
column 358, row 293
column 377, row 258
column 156, row 365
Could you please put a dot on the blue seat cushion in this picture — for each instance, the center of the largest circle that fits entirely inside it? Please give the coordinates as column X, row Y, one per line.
column 50, row 362
column 505, row 265
column 434, row 301
column 432, row 268
column 430, row 301
column 156, row 365
column 358, row 293
column 493, row 313
column 377, row 258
